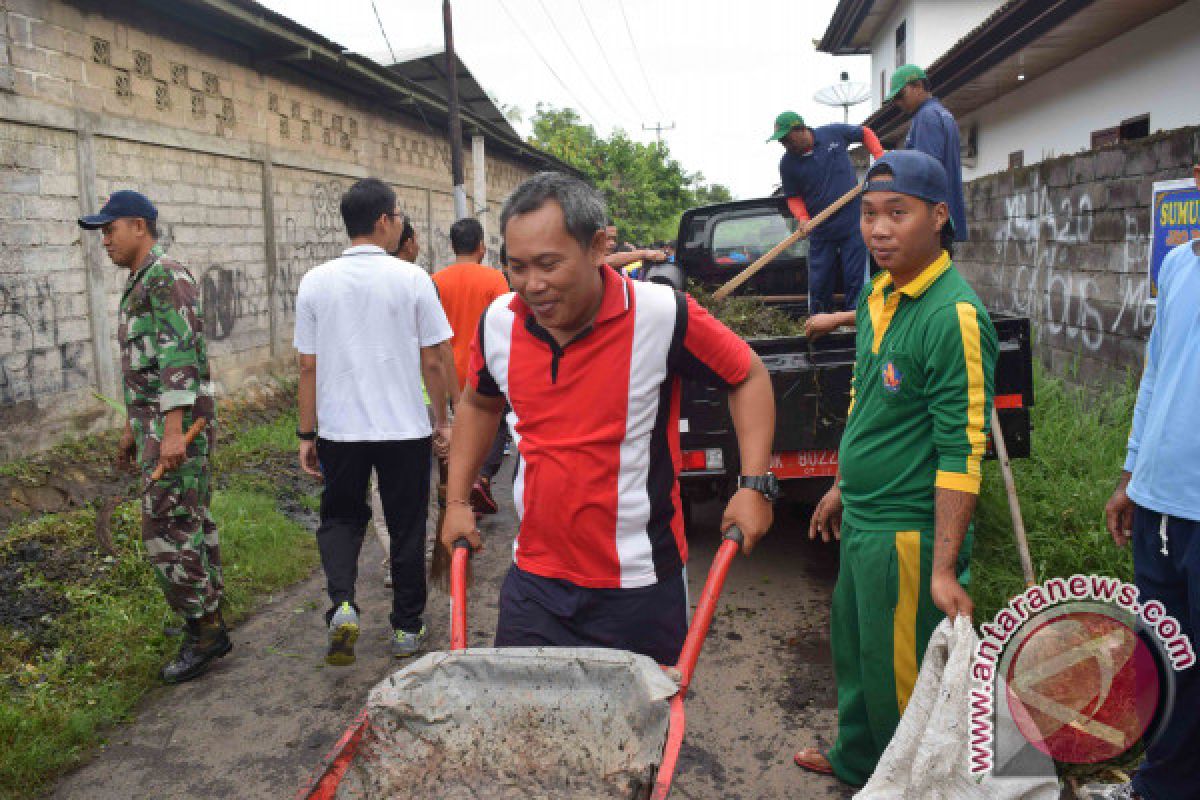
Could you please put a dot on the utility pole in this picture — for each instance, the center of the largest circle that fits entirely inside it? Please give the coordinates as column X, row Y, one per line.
column 456, row 154
column 658, row 129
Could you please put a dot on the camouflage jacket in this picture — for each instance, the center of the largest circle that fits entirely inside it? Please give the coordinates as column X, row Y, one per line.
column 164, row 357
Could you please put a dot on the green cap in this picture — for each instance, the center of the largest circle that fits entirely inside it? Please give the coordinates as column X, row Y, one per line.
column 903, row 76
column 784, row 123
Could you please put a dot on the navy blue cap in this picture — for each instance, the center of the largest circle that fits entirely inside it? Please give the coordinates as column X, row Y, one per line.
column 124, row 203
column 913, row 173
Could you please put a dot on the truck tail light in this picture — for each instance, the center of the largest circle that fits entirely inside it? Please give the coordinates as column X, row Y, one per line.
column 711, row 459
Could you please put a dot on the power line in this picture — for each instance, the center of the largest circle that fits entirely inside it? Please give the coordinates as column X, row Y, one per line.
column 384, row 32
column 604, row 55
column 637, row 57
column 583, row 70
column 547, row 63
column 441, row 150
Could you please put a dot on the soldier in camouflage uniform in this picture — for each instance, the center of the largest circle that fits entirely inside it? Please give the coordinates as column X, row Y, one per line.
column 164, row 364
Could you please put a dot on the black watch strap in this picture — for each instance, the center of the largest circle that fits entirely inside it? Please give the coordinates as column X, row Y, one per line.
column 310, row 436
column 768, row 484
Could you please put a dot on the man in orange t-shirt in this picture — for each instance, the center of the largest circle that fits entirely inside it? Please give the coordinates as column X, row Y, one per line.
column 467, row 288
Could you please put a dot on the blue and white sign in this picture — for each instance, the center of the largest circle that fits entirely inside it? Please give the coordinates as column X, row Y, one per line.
column 1174, row 219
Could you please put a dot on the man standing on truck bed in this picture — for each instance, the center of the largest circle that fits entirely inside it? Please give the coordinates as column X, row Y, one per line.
column 933, row 131
column 816, row 171
column 590, row 362
column 909, row 461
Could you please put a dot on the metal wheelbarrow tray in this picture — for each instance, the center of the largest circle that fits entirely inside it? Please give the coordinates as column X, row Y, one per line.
column 521, row 723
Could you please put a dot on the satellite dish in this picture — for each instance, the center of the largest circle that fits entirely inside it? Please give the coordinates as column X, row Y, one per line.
column 845, row 93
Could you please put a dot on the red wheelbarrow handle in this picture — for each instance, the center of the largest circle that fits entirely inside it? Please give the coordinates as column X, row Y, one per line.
column 458, row 595
column 707, row 606
column 692, row 645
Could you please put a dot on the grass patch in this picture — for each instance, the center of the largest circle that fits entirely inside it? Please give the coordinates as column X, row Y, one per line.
column 1079, row 443
column 1078, row 450
column 85, row 639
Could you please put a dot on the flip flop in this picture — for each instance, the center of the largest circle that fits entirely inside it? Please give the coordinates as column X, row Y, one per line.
column 813, row 760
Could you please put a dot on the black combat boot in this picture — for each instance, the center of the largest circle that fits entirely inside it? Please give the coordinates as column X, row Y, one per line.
column 204, row 641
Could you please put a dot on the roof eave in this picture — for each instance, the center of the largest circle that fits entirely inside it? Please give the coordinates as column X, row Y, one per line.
column 321, row 59
column 843, row 25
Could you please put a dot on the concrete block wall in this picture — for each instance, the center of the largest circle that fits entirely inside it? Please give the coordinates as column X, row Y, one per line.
column 45, row 339
column 1066, row 243
column 245, row 162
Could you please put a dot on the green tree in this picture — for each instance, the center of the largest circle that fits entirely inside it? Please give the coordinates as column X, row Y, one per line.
column 646, row 190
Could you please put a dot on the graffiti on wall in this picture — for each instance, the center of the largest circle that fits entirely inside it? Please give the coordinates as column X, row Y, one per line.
column 33, row 361
column 228, row 296
column 307, row 240
column 1041, row 239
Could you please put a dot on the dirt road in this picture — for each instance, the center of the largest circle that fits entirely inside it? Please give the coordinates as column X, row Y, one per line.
column 262, row 720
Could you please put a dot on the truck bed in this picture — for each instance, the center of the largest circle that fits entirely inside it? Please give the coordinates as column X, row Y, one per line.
column 812, row 393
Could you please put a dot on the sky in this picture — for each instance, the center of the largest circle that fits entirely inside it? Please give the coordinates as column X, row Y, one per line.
column 719, row 70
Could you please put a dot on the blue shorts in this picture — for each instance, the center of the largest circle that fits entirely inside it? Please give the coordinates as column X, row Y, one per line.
column 548, row 612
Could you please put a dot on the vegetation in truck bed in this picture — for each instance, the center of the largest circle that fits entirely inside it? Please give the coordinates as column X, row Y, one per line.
column 746, row 315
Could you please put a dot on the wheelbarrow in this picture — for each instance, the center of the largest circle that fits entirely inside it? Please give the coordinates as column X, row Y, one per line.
column 521, row 722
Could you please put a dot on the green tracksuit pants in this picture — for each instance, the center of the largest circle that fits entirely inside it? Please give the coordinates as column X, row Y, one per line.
column 881, row 620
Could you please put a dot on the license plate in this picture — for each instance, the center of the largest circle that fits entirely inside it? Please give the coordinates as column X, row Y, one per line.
column 805, row 464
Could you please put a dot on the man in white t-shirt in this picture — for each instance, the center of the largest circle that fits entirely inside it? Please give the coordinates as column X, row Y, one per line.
column 368, row 329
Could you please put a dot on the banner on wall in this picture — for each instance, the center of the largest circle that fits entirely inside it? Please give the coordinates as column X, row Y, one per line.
column 1174, row 219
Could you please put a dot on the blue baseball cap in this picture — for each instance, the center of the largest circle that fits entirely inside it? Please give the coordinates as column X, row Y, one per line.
column 123, row 203
column 913, row 173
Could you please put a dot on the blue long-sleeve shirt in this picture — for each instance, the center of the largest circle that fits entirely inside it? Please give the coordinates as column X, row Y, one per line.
column 1164, row 445
column 934, row 132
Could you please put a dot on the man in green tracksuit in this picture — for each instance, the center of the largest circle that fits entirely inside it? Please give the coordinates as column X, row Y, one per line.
column 909, row 460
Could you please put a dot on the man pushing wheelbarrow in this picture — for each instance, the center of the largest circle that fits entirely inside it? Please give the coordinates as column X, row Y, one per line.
column 572, row 702
column 590, row 363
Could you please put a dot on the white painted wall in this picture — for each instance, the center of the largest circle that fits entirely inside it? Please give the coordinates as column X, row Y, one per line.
column 1152, row 69
column 934, row 26
column 883, row 48
column 942, row 23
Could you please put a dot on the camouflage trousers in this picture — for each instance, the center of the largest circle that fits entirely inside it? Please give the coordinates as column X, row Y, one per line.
column 178, row 531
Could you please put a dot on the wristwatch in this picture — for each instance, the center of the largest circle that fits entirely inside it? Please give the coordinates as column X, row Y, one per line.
column 767, row 483
column 310, row 436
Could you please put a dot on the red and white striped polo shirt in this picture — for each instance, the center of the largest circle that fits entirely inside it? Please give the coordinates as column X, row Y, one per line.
column 597, row 428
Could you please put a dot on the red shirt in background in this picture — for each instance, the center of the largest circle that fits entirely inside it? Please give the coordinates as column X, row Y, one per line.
column 466, row 290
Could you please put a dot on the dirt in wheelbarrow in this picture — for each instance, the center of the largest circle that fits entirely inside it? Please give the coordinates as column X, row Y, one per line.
column 529, row 775
column 260, row 723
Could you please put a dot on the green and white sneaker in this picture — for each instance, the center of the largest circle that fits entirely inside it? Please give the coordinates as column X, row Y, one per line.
column 343, row 633
column 406, row 644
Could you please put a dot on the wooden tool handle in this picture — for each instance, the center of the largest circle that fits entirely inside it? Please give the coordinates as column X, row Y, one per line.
column 769, row 256
column 1014, row 503
column 188, row 438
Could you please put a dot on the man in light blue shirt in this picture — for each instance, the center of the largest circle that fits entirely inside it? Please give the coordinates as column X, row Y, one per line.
column 1157, row 505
